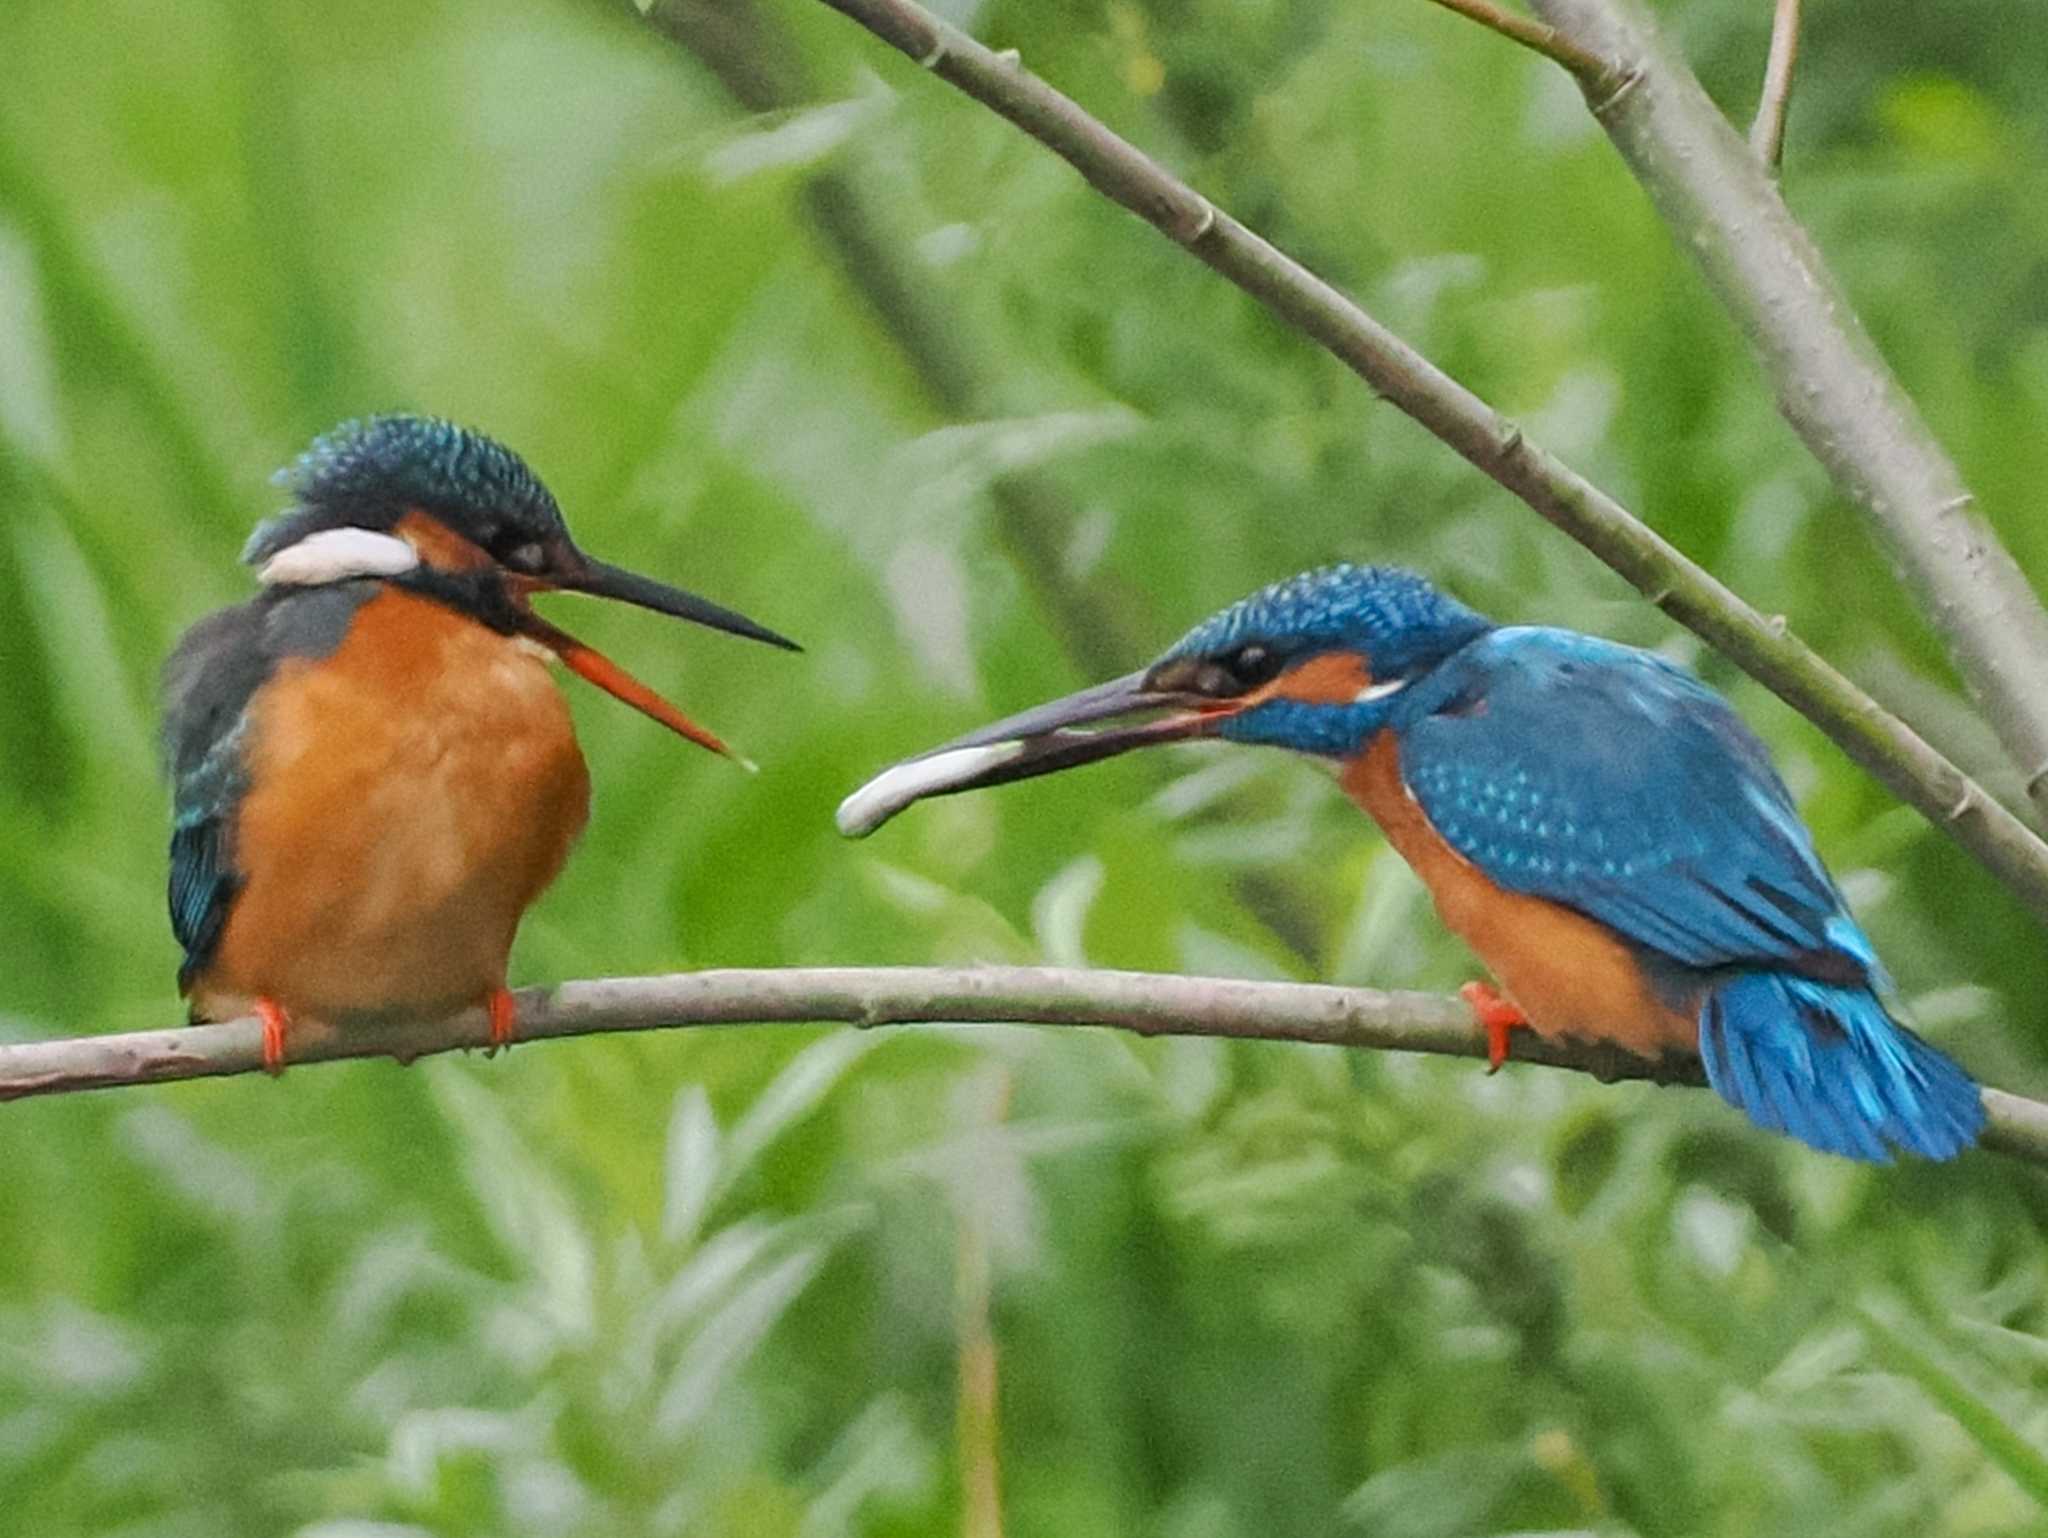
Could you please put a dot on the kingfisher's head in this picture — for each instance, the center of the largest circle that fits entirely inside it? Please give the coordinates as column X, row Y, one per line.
column 455, row 515
column 1317, row 663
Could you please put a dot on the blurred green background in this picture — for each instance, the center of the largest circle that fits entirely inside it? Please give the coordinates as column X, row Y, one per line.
column 885, row 375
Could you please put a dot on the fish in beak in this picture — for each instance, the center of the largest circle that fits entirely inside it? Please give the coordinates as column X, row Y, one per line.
column 1038, row 741
column 569, row 570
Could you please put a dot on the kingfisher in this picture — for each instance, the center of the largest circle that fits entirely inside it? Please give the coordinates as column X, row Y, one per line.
column 1598, row 826
column 373, row 773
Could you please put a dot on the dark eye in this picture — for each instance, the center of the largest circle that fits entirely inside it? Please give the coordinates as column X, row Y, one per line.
column 528, row 556
column 1252, row 664
column 1226, row 675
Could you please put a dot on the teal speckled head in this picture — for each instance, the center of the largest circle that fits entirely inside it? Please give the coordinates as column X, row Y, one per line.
column 1318, row 663
column 370, row 473
column 1391, row 619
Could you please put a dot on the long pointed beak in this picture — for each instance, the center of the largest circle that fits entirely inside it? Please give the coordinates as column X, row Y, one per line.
column 589, row 663
column 1042, row 740
column 577, row 573
column 604, row 580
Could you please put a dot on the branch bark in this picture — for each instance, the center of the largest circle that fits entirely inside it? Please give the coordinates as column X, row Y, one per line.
column 1832, row 384
column 1767, row 132
column 1147, row 1003
column 1533, row 35
column 1899, row 757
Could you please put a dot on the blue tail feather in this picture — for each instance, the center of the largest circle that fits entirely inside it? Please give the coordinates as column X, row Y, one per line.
column 1826, row 1064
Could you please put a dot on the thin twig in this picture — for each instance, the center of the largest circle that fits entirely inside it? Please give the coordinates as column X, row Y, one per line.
column 1536, row 35
column 1891, row 750
column 1767, row 133
column 1148, row 1003
column 1833, row 385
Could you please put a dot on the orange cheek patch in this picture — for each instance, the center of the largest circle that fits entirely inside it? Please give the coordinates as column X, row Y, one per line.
column 1334, row 678
column 438, row 545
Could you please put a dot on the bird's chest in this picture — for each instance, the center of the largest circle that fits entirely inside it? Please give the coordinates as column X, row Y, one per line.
column 1571, row 975
column 411, row 793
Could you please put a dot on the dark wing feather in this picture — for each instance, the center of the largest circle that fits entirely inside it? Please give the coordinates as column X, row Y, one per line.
column 1606, row 779
column 208, row 685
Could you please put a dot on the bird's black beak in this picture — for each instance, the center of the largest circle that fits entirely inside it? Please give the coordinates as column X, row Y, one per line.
column 607, row 581
column 571, row 571
column 1042, row 740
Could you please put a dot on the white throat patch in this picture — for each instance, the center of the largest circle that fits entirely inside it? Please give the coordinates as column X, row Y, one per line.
column 335, row 555
column 1380, row 691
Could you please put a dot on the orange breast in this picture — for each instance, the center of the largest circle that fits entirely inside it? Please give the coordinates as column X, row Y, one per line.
column 1570, row 975
column 412, row 793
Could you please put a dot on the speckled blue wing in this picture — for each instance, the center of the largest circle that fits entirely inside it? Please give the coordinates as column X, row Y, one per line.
column 1608, row 780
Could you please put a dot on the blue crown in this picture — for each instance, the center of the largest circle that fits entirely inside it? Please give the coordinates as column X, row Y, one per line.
column 1393, row 616
column 369, row 472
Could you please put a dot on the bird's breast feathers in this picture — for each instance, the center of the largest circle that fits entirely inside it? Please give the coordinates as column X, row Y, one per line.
column 409, row 795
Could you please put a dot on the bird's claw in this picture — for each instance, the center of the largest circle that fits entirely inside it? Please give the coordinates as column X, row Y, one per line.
column 1498, row 1014
column 274, row 1019
column 504, row 1013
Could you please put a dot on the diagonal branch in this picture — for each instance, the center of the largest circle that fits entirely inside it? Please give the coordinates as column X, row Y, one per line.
column 1891, row 750
column 1148, row 1003
column 1537, row 36
column 1767, row 133
column 1833, row 385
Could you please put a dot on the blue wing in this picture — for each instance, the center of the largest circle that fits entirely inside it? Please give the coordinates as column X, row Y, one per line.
column 1610, row 781
column 208, row 684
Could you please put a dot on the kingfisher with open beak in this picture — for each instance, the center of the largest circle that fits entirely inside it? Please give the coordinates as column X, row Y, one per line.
column 374, row 776
column 1599, row 826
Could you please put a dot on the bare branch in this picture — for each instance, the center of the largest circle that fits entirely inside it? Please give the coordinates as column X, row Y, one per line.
column 1764, row 647
column 1536, row 35
column 1832, row 384
column 1148, row 1003
column 1767, row 133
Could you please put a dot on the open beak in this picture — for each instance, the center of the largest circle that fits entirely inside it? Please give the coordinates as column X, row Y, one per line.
column 1038, row 741
column 577, row 573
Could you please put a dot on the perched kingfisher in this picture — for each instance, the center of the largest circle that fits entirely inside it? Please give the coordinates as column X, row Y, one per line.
column 1598, row 825
column 374, row 775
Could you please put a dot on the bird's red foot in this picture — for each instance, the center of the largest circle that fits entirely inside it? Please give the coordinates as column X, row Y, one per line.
column 274, row 1019
column 504, row 1012
column 1499, row 1014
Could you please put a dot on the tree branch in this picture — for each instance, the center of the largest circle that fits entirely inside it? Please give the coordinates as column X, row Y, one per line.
column 1832, row 384
column 1148, row 1003
column 1891, row 750
column 1534, row 35
column 1767, row 133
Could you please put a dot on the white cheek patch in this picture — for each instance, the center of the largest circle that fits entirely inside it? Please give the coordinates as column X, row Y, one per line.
column 1380, row 691
column 335, row 555
column 895, row 788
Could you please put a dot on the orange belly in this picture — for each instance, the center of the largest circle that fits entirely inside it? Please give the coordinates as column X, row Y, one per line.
column 413, row 792
column 1570, row 975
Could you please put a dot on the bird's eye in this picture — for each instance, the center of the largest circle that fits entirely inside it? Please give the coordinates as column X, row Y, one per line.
column 1251, row 665
column 528, row 557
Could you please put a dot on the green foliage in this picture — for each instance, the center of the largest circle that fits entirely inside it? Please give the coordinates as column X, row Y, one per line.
column 719, row 1283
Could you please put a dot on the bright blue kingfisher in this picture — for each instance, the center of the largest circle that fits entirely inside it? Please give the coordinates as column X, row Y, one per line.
column 374, row 775
column 1599, row 826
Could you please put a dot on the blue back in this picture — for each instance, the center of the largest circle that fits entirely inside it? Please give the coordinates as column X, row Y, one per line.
column 1607, row 779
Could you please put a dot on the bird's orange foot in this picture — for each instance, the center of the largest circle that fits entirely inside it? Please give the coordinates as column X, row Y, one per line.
column 1499, row 1014
column 504, row 1012
column 274, row 1019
